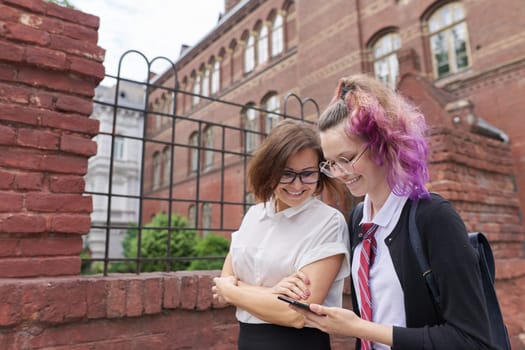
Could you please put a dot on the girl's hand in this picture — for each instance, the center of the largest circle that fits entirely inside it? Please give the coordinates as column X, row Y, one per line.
column 294, row 286
column 339, row 321
column 332, row 320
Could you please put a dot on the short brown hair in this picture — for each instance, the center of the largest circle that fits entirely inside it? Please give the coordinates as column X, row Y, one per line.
column 269, row 161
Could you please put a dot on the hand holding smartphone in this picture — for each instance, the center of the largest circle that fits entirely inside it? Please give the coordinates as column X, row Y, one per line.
column 294, row 302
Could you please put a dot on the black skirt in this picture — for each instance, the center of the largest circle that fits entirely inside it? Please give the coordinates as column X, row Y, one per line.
column 272, row 337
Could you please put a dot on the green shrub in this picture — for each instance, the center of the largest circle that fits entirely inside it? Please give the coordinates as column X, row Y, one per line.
column 154, row 243
column 210, row 246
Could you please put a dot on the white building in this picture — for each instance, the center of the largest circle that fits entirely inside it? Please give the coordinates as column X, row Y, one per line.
column 125, row 171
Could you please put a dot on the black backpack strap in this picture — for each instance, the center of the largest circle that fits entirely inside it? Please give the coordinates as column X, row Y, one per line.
column 357, row 214
column 482, row 248
column 498, row 331
column 417, row 246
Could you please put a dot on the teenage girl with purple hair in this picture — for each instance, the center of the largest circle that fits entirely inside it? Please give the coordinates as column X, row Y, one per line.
column 374, row 141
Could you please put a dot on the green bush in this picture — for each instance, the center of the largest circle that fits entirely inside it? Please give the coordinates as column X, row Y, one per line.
column 210, row 246
column 154, row 243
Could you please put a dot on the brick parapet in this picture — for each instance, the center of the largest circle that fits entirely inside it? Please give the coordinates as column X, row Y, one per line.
column 56, row 300
column 477, row 175
column 160, row 310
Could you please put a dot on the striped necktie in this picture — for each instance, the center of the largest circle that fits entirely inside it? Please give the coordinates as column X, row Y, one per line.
column 366, row 259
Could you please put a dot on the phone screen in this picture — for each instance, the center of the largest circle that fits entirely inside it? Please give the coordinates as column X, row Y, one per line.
column 294, row 302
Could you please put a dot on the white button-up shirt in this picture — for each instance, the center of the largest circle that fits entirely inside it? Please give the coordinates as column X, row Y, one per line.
column 388, row 303
column 270, row 246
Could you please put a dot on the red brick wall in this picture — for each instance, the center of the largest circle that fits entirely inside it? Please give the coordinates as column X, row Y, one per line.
column 49, row 66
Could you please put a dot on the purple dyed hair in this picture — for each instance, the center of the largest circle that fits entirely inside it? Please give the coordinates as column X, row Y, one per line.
column 393, row 127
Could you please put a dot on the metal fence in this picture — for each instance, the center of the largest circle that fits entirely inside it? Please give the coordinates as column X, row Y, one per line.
column 156, row 157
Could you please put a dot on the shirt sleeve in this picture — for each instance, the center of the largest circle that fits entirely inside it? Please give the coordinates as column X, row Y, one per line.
column 331, row 240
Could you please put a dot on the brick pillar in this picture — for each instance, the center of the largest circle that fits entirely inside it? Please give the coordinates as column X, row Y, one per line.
column 476, row 174
column 50, row 65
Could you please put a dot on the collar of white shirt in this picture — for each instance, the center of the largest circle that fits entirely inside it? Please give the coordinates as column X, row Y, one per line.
column 269, row 209
column 385, row 215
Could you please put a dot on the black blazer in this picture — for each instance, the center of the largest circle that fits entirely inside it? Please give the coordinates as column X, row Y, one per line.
column 463, row 322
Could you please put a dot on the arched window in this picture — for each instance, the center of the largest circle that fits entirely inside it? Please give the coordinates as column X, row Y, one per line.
column 262, row 45
column 271, row 105
column 206, row 82
column 277, row 35
column 449, row 39
column 194, row 152
column 249, row 54
column 386, row 66
column 166, row 163
column 206, row 217
column 156, row 170
column 196, row 89
column 192, row 216
column 208, row 144
column 216, row 77
column 170, row 106
column 157, row 108
column 251, row 127
column 249, row 200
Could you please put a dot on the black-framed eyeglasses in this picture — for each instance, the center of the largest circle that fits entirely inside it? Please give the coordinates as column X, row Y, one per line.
column 342, row 165
column 306, row 177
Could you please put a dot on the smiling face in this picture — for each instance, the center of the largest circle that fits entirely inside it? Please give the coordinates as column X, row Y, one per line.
column 295, row 193
column 362, row 175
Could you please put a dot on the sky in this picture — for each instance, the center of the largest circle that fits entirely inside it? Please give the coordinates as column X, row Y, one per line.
column 154, row 27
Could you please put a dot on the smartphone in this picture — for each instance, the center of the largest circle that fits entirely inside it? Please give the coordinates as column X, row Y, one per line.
column 295, row 302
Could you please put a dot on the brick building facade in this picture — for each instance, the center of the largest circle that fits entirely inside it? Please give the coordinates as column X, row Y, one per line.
column 262, row 50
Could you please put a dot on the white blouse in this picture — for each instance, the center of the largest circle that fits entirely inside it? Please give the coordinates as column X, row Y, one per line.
column 270, row 246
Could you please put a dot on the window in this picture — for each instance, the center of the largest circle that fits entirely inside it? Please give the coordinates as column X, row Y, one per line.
column 272, row 105
column 196, row 89
column 206, row 82
column 158, row 118
column 206, row 216
column 194, row 152
column 169, row 103
column 448, row 39
column 262, row 45
column 249, row 200
column 249, row 55
column 216, row 77
column 166, row 163
column 208, row 144
column 192, row 215
column 156, row 170
column 277, row 35
column 118, row 148
column 251, row 127
column 386, row 67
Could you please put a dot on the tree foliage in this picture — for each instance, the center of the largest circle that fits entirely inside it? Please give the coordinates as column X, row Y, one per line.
column 154, row 243
column 184, row 243
column 210, row 246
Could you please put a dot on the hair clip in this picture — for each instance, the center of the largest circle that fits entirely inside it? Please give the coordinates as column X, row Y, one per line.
column 344, row 91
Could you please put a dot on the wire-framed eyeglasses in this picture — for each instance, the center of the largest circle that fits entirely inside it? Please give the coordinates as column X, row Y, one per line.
column 306, row 177
column 342, row 165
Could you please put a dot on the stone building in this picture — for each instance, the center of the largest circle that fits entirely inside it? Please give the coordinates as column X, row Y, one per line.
column 118, row 158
